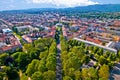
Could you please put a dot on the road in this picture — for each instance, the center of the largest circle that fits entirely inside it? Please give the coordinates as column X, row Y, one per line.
column 6, row 23
column 115, row 72
column 59, row 64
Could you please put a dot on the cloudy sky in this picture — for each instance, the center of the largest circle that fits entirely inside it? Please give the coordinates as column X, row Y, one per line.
column 25, row 4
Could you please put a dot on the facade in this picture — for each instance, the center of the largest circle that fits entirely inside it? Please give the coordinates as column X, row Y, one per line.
column 24, row 28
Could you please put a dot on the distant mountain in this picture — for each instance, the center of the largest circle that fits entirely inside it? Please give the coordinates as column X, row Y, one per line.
column 101, row 8
column 91, row 8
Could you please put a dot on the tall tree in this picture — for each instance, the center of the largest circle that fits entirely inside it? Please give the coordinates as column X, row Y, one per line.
column 49, row 75
column 77, row 75
column 51, row 62
column 32, row 67
column 104, row 72
column 2, row 58
column 42, row 66
column 67, row 78
column 37, row 76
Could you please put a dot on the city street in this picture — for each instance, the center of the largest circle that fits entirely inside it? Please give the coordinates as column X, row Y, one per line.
column 115, row 72
column 59, row 65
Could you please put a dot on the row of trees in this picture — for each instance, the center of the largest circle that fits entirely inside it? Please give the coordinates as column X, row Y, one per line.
column 46, row 66
column 36, row 60
column 76, row 59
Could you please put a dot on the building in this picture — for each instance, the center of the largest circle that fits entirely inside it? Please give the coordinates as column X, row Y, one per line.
column 27, row 39
column 6, row 31
column 92, row 43
column 8, row 43
column 24, row 28
column 59, row 25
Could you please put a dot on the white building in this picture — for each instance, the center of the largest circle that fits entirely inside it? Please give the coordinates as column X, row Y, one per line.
column 25, row 28
column 6, row 31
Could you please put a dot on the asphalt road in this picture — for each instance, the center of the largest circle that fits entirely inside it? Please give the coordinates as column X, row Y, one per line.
column 59, row 64
column 115, row 72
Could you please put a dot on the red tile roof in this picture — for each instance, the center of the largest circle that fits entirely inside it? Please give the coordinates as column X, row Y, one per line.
column 28, row 39
column 93, row 40
column 5, row 48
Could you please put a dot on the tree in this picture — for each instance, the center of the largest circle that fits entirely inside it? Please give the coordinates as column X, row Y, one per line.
column 67, row 78
column 34, row 54
column 61, row 37
column 2, row 58
column 63, row 44
column 95, row 49
column 19, row 50
column 85, row 75
column 73, row 62
column 91, row 48
column 43, row 55
column 42, row 43
column 112, row 57
column 86, row 59
column 15, row 29
column 104, row 72
column 93, row 73
column 73, row 43
column 118, row 56
column 2, row 75
column 77, row 75
column 32, row 67
column 53, row 48
column 9, row 61
column 37, row 76
column 21, row 59
column 102, row 60
column 78, row 51
column 51, row 62
column 105, row 55
column 27, row 47
column 64, row 56
column 15, row 56
column 49, row 75
column 11, row 73
column 24, row 77
column 42, row 66
column 71, row 72
column 89, row 74
column 100, row 51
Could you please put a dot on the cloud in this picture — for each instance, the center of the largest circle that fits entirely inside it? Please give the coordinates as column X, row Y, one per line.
column 65, row 3
column 9, row 7
column 11, row 1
